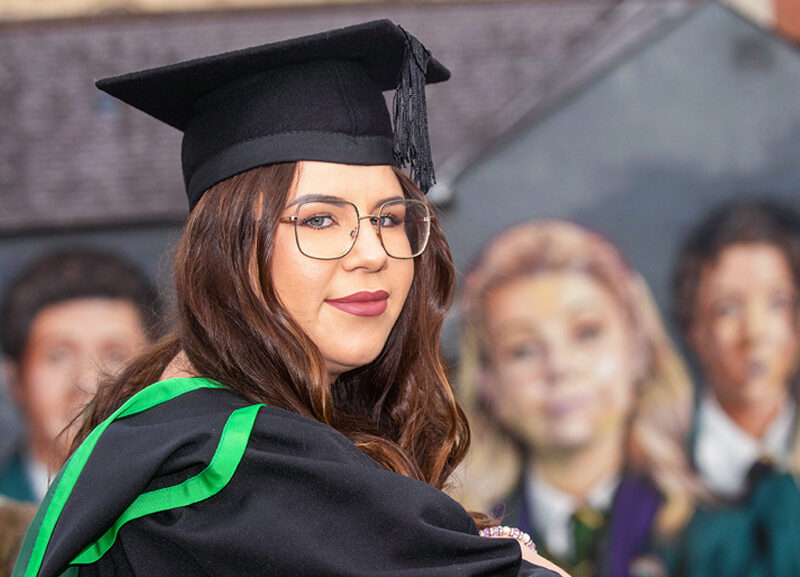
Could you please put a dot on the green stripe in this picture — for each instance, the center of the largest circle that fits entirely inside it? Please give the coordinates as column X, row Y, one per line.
column 206, row 484
column 38, row 536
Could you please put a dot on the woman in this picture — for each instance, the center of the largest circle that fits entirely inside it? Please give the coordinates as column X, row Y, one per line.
column 736, row 299
column 578, row 402
column 300, row 422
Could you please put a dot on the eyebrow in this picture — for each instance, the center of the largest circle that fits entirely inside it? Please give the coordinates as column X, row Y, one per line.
column 331, row 198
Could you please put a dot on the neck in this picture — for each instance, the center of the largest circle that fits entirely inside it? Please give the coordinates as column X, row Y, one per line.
column 179, row 367
column 754, row 417
column 576, row 472
column 48, row 454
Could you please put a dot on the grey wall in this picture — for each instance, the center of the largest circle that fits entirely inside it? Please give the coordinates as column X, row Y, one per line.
column 708, row 111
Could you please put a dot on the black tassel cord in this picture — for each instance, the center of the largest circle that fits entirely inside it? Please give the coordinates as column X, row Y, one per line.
column 412, row 143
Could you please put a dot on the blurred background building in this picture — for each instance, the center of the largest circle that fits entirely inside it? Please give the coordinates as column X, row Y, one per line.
column 629, row 116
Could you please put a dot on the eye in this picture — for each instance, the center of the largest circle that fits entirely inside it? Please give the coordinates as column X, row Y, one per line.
column 318, row 221
column 781, row 301
column 391, row 220
column 726, row 308
column 58, row 355
column 115, row 357
column 588, row 331
column 529, row 351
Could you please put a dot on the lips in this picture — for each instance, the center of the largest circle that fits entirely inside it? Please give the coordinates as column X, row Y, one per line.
column 756, row 369
column 564, row 406
column 362, row 304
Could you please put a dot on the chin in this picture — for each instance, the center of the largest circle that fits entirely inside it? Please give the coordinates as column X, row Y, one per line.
column 758, row 390
column 342, row 363
column 571, row 440
column 567, row 436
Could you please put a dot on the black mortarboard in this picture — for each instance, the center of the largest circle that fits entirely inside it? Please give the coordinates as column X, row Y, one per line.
column 316, row 97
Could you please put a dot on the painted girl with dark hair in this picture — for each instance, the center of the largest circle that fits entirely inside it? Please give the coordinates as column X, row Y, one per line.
column 736, row 299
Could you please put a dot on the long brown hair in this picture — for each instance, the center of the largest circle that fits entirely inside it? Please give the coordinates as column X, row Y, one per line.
column 399, row 409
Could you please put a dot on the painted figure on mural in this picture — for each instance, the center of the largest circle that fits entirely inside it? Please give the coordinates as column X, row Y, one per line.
column 69, row 318
column 736, row 300
column 579, row 404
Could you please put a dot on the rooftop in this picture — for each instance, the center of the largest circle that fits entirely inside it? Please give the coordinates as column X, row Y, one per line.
column 72, row 157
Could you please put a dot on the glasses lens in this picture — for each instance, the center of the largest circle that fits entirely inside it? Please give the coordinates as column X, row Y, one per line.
column 405, row 226
column 326, row 229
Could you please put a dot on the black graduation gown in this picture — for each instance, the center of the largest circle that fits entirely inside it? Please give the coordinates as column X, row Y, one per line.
column 202, row 483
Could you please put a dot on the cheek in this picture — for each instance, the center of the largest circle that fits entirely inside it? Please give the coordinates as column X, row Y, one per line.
column 46, row 384
column 300, row 282
column 516, row 401
column 607, row 368
column 783, row 333
column 785, row 347
column 515, row 394
column 405, row 277
column 48, row 401
column 715, row 343
column 613, row 380
column 723, row 334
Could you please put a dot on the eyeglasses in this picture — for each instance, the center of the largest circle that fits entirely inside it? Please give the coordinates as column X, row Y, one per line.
column 328, row 229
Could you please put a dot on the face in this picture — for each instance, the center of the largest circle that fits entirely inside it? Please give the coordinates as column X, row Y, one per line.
column 70, row 346
column 347, row 306
column 745, row 325
column 562, row 370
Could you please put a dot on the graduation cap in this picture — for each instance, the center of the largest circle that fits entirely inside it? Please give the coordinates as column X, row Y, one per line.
column 317, row 97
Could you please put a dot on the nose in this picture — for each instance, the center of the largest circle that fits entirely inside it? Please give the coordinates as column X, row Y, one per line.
column 755, row 321
column 85, row 378
column 367, row 251
column 558, row 363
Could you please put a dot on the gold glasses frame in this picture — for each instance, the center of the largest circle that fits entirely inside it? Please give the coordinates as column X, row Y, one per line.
column 375, row 220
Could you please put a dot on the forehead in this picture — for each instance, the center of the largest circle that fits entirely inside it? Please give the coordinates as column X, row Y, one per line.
column 549, row 296
column 86, row 318
column 748, row 266
column 354, row 183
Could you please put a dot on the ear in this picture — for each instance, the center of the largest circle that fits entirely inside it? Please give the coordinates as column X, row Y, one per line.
column 487, row 391
column 11, row 378
column 696, row 337
column 640, row 358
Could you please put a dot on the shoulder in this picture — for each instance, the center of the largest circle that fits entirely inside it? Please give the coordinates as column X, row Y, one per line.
column 194, row 422
column 176, row 429
column 14, row 481
column 634, row 510
column 174, row 437
column 639, row 489
column 512, row 508
column 167, row 449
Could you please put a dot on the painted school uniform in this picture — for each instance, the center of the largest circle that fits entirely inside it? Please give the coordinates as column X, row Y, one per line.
column 624, row 524
column 754, row 529
column 15, row 480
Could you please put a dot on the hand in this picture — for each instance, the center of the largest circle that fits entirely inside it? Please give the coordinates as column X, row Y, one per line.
column 531, row 555
column 536, row 559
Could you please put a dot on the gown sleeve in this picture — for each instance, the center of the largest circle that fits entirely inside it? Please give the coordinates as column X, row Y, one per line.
column 300, row 500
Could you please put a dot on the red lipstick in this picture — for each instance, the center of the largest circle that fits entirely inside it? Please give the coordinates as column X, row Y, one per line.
column 362, row 304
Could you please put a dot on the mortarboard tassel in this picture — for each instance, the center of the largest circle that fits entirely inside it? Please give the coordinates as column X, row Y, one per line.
column 412, row 143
